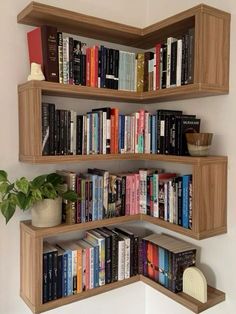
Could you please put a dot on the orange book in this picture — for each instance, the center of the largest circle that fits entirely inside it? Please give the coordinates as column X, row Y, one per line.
column 92, row 68
column 150, row 268
column 79, row 270
column 88, row 66
column 114, row 130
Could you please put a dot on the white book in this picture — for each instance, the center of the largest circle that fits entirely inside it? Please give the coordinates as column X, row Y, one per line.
column 88, row 136
column 176, row 203
column 104, row 132
column 143, row 192
column 171, row 202
column 73, row 124
column 126, row 255
column 84, row 135
column 136, row 115
column 66, row 60
column 126, row 135
column 179, row 62
column 166, row 187
column 133, row 71
column 156, row 194
column 121, row 259
column 170, row 40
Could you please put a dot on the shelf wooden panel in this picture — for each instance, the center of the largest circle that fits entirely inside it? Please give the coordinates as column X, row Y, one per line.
column 37, row 14
column 85, row 92
column 155, row 157
column 214, row 296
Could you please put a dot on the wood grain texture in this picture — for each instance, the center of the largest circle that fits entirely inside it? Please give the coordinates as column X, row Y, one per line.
column 31, row 268
column 84, row 92
column 31, row 278
column 30, row 123
column 214, row 296
column 209, row 198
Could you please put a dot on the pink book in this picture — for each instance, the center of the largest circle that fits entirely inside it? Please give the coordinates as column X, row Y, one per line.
column 137, row 192
column 128, row 203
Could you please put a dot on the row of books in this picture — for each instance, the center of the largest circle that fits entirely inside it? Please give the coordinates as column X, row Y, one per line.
column 102, row 257
column 105, row 131
column 70, row 61
column 148, row 191
column 165, row 258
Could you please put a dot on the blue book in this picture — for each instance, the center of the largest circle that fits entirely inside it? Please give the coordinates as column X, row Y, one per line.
column 96, row 266
column 166, row 267
column 185, row 200
column 65, row 276
column 94, row 202
column 100, row 197
column 161, row 252
column 103, row 67
column 67, row 284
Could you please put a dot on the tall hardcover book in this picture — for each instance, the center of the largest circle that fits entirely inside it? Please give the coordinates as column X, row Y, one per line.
column 43, row 49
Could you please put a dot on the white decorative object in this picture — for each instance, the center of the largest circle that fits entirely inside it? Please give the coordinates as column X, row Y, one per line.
column 195, row 284
column 47, row 213
column 36, row 72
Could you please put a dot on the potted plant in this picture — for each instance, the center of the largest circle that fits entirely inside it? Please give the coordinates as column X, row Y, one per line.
column 43, row 195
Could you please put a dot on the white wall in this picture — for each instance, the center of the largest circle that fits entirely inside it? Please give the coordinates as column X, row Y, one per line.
column 217, row 113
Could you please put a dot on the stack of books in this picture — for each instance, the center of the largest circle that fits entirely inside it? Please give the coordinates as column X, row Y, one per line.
column 107, row 131
column 103, row 256
column 165, row 258
column 70, row 61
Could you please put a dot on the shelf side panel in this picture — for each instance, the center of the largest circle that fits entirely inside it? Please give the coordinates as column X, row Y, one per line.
column 31, row 269
column 30, row 122
column 210, row 199
column 212, row 32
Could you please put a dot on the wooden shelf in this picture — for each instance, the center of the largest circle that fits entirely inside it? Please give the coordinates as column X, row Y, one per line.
column 37, row 14
column 214, row 296
column 155, row 157
column 84, row 92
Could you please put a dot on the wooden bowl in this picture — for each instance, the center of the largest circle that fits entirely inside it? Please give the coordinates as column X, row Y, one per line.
column 199, row 143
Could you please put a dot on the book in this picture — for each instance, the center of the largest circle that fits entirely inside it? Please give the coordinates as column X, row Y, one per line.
column 43, row 49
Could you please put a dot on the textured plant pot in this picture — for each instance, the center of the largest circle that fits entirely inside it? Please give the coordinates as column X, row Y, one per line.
column 47, row 213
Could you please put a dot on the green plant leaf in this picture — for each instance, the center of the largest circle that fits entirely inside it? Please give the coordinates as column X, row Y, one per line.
column 3, row 176
column 3, row 187
column 23, row 185
column 48, row 191
column 10, row 187
column 39, row 181
column 54, row 178
column 70, row 196
column 21, row 200
column 37, row 195
column 7, row 209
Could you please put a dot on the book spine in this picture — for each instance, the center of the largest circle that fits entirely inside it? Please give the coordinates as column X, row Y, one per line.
column 59, row 275
column 45, row 129
column 143, row 191
column 74, row 272
column 50, row 53
column 179, row 62
column 45, row 278
column 121, row 260
column 79, row 270
column 185, row 202
column 77, row 62
column 60, row 56
column 66, row 60
column 71, row 61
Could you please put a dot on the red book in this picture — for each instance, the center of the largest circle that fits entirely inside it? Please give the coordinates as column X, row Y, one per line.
column 96, row 66
column 88, row 66
column 42, row 46
column 155, row 262
column 150, row 268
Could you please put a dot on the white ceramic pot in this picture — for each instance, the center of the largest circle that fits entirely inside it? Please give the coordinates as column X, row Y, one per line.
column 47, row 213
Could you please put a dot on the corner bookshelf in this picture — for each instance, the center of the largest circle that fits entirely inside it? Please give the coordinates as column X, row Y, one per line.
column 31, row 263
column 211, row 78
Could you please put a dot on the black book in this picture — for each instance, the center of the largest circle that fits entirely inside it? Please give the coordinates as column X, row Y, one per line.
column 66, row 130
column 52, row 129
column 77, row 62
column 164, row 66
column 111, row 68
column 118, row 196
column 59, row 274
column 57, row 132
column 108, row 254
column 71, row 60
column 163, row 129
column 123, row 195
column 116, row 69
column 83, row 69
column 114, row 253
column 186, row 124
column 79, row 135
column 183, row 67
column 108, row 79
column 186, row 56
column 62, row 132
column 45, row 129
column 190, row 71
column 173, row 63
